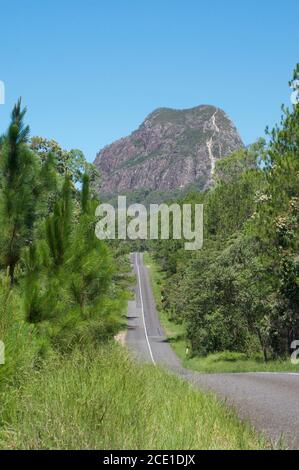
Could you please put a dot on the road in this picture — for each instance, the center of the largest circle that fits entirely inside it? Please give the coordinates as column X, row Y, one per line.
column 270, row 401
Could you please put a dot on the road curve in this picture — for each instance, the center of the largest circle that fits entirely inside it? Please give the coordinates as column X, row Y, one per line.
column 270, row 401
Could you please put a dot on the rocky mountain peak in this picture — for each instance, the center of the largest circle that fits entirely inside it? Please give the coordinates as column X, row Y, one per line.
column 171, row 149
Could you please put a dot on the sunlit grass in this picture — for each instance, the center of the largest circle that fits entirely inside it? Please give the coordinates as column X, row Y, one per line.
column 101, row 399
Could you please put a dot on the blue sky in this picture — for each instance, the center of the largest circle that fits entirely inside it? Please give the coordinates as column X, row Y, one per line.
column 91, row 70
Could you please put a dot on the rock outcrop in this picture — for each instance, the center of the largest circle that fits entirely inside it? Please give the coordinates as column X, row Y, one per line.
column 170, row 150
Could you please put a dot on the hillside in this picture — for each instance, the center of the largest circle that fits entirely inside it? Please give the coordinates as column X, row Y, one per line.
column 171, row 150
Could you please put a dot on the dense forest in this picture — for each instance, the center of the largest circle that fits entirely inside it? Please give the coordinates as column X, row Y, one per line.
column 240, row 293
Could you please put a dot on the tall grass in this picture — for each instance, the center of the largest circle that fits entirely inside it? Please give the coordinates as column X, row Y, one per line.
column 101, row 399
column 22, row 346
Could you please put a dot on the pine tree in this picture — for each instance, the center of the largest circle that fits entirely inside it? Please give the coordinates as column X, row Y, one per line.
column 18, row 172
column 59, row 224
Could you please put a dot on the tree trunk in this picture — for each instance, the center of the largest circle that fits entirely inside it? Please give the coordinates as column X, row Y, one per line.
column 12, row 274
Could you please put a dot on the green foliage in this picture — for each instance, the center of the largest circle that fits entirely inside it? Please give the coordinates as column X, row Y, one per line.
column 240, row 161
column 58, row 225
column 224, row 361
column 101, row 399
column 22, row 346
column 18, row 173
column 57, row 284
column 69, row 288
column 241, row 292
column 70, row 163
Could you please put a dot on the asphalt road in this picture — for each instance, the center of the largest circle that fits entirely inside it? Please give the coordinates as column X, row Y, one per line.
column 270, row 401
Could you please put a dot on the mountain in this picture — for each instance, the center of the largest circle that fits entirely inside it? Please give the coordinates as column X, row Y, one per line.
column 171, row 150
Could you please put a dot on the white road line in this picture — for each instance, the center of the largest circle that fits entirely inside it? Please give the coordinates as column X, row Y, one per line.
column 142, row 309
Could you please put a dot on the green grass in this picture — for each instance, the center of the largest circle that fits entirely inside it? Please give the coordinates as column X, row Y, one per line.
column 237, row 362
column 214, row 363
column 101, row 399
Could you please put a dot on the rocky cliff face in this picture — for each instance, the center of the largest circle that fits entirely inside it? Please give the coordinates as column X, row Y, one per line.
column 170, row 150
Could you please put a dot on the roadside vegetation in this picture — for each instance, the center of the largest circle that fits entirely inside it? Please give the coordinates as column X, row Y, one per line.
column 98, row 398
column 224, row 361
column 60, row 287
column 236, row 300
